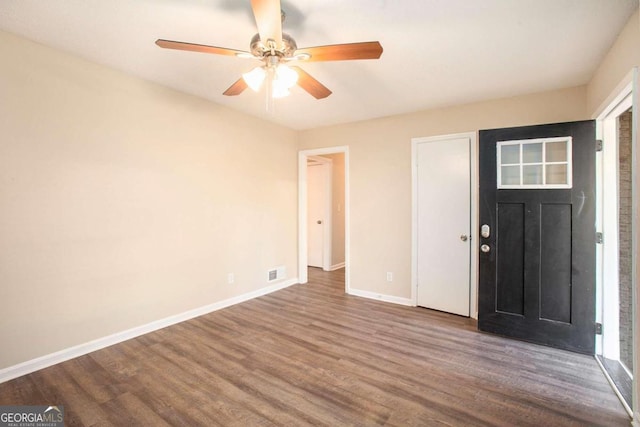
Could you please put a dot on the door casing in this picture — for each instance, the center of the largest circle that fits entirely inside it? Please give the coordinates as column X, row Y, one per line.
column 607, row 286
column 607, row 305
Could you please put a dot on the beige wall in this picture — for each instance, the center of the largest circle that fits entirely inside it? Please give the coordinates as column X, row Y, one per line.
column 621, row 58
column 123, row 202
column 380, row 174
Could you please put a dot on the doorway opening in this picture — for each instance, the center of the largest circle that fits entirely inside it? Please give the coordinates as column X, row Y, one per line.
column 323, row 213
column 615, row 351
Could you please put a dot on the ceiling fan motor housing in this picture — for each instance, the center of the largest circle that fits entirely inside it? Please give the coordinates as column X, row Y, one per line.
column 259, row 49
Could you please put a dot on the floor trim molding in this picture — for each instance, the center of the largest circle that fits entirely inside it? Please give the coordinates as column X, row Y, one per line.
column 45, row 361
column 338, row 266
column 381, row 297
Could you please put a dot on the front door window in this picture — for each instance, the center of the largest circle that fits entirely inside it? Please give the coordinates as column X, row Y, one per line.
column 534, row 163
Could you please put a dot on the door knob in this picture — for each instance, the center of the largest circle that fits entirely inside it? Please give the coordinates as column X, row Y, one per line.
column 485, row 248
column 319, row 221
column 464, row 237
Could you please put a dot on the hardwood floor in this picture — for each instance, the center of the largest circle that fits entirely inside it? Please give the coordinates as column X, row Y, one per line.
column 309, row 354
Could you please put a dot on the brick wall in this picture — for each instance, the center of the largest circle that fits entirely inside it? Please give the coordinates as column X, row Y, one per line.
column 624, row 218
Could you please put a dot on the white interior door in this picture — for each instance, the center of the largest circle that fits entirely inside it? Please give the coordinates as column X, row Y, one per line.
column 443, row 224
column 316, row 197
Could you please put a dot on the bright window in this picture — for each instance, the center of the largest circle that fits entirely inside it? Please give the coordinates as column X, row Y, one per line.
column 534, row 163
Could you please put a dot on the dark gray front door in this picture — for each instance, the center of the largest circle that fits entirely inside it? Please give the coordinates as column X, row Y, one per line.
column 537, row 270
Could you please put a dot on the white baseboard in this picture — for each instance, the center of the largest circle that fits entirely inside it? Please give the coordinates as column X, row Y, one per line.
column 381, row 297
column 338, row 266
column 42, row 362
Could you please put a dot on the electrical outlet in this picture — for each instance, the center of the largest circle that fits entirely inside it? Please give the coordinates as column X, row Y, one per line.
column 231, row 278
column 389, row 276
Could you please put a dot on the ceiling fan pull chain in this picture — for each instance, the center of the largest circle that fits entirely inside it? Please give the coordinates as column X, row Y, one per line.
column 269, row 90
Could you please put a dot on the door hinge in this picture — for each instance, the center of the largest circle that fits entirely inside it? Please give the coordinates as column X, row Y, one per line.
column 598, row 145
column 598, row 328
column 599, row 238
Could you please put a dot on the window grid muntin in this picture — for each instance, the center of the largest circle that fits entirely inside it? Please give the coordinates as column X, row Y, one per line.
column 544, row 141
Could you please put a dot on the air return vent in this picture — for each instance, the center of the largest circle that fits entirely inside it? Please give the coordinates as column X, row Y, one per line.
column 276, row 273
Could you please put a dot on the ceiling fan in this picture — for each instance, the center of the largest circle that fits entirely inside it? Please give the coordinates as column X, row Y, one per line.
column 276, row 50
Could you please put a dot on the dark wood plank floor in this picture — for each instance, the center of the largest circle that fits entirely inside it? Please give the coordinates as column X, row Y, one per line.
column 310, row 355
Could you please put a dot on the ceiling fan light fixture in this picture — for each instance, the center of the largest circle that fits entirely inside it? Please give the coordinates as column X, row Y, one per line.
column 254, row 78
column 286, row 77
column 281, row 79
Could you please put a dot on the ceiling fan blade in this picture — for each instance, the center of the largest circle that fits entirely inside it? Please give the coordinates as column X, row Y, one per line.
column 342, row 52
column 311, row 85
column 237, row 88
column 269, row 20
column 192, row 47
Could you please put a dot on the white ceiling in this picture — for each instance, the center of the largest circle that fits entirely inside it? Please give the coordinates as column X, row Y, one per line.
column 436, row 52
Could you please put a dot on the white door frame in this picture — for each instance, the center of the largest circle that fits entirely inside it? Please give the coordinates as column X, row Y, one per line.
column 302, row 210
column 608, row 304
column 607, row 311
column 473, row 161
column 327, row 214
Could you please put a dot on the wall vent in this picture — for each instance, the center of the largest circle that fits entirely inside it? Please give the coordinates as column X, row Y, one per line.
column 276, row 273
